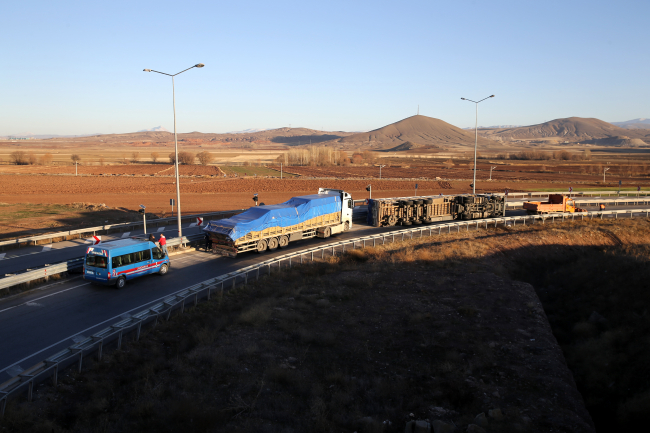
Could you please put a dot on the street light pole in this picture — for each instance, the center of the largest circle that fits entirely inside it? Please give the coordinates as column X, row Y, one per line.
column 491, row 171
column 178, row 186
column 380, row 167
column 605, row 171
column 476, row 137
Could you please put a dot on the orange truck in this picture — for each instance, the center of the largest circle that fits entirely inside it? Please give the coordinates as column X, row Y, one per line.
column 555, row 203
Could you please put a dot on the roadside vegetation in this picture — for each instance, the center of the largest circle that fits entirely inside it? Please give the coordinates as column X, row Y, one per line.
column 440, row 328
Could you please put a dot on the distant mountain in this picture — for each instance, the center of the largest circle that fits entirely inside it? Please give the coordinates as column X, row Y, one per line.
column 641, row 123
column 570, row 128
column 423, row 130
column 154, row 129
column 46, row 136
column 249, row 131
column 492, row 127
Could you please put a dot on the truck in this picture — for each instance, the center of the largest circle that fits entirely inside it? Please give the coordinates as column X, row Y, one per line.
column 267, row 227
column 407, row 211
column 556, row 203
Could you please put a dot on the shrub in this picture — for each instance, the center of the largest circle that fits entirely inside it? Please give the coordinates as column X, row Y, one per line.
column 205, row 157
column 186, row 158
column 18, row 157
column 155, row 156
column 75, row 157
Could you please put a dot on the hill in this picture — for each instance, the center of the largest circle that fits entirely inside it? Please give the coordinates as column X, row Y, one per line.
column 570, row 129
column 641, row 123
column 427, row 131
column 290, row 136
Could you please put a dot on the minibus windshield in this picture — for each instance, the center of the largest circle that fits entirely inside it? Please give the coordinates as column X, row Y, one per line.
column 96, row 261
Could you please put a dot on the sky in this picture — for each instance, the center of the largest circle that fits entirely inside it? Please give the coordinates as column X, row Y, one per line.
column 76, row 67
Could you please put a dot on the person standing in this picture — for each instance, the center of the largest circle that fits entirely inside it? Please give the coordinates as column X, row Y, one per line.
column 152, row 238
column 163, row 243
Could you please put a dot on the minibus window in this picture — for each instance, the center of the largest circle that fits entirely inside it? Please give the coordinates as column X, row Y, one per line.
column 158, row 254
column 96, row 261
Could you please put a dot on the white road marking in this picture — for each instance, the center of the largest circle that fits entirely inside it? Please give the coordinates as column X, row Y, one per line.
column 2, row 255
column 46, row 248
column 14, row 370
column 161, row 229
column 84, row 331
column 33, row 304
column 126, row 234
column 42, row 297
column 78, row 338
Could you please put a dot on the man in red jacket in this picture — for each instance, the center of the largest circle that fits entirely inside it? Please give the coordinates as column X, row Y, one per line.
column 163, row 243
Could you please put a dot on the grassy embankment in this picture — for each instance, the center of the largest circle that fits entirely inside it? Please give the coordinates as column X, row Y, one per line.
column 439, row 328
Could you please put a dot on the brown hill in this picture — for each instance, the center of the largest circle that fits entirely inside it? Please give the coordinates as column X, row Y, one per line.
column 570, row 129
column 423, row 130
column 289, row 136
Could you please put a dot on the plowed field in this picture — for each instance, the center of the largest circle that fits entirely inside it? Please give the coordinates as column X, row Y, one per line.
column 115, row 170
column 204, row 195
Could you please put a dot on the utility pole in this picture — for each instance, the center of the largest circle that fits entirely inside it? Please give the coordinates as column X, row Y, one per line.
column 491, row 171
column 605, row 171
column 280, row 170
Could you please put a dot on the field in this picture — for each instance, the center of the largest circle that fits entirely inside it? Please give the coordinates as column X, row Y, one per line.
column 441, row 329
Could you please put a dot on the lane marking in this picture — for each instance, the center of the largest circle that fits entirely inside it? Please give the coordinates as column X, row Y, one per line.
column 34, row 304
column 46, row 248
column 125, row 234
column 86, row 330
column 42, row 297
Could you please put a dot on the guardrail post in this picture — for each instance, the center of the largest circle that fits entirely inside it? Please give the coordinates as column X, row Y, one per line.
column 3, row 404
column 258, row 273
column 289, row 262
column 233, row 282
column 246, row 277
column 119, row 337
column 301, row 259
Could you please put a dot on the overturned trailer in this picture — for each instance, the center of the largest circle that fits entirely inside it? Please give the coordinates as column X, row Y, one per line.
column 427, row 209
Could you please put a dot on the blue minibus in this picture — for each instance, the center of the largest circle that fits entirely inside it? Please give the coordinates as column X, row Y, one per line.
column 116, row 262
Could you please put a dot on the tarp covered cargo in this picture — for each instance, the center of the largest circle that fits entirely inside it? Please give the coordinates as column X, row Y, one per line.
column 289, row 213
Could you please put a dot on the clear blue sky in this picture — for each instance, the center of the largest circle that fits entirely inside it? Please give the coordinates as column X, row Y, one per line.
column 75, row 67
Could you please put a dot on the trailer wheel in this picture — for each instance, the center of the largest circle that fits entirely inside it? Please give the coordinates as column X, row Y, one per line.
column 261, row 246
column 283, row 242
column 327, row 232
column 392, row 220
column 428, row 201
column 406, row 202
column 417, row 222
column 273, row 243
column 417, row 201
column 406, row 223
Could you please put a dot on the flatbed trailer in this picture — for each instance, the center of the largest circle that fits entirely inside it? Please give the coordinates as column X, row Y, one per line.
column 264, row 228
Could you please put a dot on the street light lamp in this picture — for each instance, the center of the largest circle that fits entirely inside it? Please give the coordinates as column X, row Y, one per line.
column 604, row 171
column 380, row 167
column 178, row 188
column 476, row 137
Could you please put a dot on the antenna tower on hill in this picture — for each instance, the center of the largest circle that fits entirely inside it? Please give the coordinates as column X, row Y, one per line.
column 418, row 109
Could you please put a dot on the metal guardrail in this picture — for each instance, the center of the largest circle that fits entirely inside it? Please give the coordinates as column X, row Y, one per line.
column 59, row 268
column 75, row 353
column 108, row 227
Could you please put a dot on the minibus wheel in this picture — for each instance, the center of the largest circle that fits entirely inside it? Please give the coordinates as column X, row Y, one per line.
column 163, row 270
column 121, row 282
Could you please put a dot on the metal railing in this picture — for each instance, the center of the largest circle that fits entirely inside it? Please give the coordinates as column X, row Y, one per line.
column 117, row 227
column 59, row 268
column 76, row 353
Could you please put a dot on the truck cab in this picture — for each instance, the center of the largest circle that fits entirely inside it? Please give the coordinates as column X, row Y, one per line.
column 346, row 208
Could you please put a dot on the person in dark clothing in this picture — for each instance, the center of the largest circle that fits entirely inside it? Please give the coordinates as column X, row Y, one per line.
column 208, row 242
column 152, row 238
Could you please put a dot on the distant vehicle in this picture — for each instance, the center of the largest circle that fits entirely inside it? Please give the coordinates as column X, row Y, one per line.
column 555, row 203
column 113, row 263
column 268, row 227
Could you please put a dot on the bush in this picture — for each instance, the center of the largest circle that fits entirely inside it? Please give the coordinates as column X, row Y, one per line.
column 172, row 158
column 18, row 157
column 75, row 158
column 155, row 156
column 186, row 158
column 205, row 157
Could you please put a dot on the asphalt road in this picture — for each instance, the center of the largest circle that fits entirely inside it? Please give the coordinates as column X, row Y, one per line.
column 44, row 321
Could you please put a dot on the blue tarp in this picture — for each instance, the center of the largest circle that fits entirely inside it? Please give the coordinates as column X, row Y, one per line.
column 294, row 211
